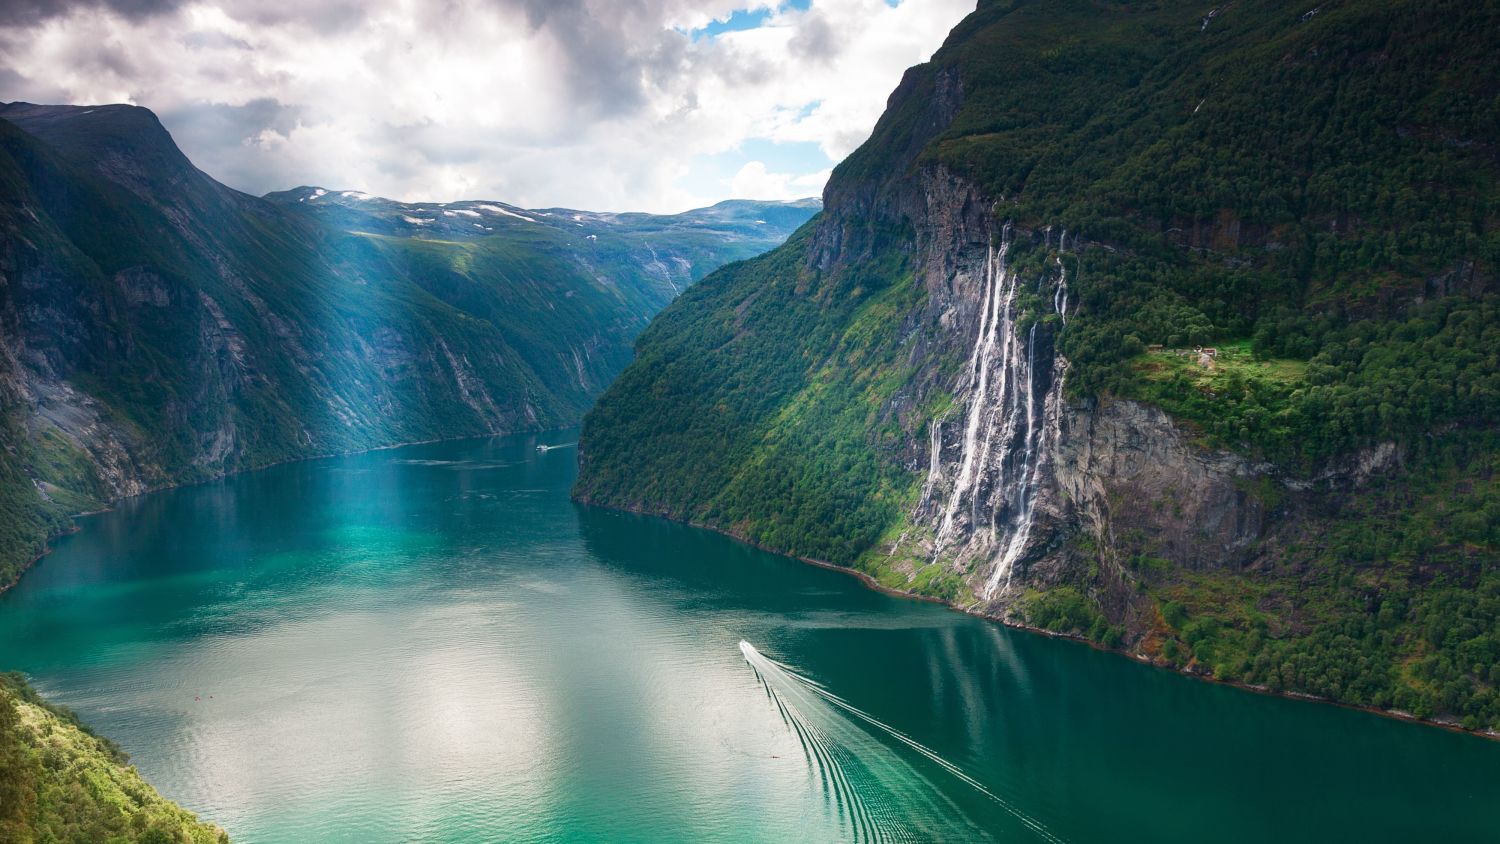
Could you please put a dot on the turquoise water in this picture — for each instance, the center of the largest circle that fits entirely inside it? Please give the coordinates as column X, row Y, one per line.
column 433, row 644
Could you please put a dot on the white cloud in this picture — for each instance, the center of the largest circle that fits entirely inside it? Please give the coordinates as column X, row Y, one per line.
column 602, row 104
column 755, row 181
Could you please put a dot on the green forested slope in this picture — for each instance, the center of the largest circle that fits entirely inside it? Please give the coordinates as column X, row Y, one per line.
column 61, row 783
column 1310, row 188
column 749, row 407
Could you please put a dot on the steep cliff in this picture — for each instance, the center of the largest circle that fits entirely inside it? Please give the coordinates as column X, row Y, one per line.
column 975, row 375
column 157, row 327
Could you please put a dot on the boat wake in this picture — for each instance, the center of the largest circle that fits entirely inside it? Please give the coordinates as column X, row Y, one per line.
column 876, row 794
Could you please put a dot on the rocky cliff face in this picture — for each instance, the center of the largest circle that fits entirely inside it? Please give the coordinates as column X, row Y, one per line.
column 1012, row 468
column 1123, row 466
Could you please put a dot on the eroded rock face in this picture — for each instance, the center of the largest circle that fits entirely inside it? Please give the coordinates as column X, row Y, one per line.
column 1126, row 466
column 1129, row 480
column 990, row 457
column 1012, row 472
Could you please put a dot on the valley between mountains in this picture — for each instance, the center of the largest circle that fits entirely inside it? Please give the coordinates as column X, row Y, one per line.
column 1167, row 328
column 160, row 328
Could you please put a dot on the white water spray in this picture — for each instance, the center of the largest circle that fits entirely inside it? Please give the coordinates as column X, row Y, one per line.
column 881, row 797
column 1060, row 298
column 934, row 461
column 1012, row 415
column 994, row 321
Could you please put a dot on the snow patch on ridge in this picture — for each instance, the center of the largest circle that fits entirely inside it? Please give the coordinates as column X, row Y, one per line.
column 495, row 209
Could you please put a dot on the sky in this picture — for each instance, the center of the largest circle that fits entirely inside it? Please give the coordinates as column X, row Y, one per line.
column 608, row 105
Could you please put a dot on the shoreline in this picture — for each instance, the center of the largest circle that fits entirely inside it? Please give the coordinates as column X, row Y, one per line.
column 74, row 527
column 864, row 578
column 1140, row 659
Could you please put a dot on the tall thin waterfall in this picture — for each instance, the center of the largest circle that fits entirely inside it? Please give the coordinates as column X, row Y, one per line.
column 1060, row 297
column 1000, row 291
column 987, row 480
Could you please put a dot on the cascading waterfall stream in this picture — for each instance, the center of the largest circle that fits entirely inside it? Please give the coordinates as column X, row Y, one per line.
column 877, row 795
column 1021, row 498
column 996, row 279
column 1008, row 434
column 1060, row 298
column 934, row 460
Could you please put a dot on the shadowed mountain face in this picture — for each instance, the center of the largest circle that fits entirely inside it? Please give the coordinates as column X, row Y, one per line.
column 1165, row 326
column 159, row 327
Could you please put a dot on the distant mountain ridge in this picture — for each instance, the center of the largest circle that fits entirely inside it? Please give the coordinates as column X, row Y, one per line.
column 741, row 216
column 731, row 225
column 158, row 327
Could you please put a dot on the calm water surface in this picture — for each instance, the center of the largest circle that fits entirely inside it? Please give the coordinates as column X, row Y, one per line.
column 433, row 644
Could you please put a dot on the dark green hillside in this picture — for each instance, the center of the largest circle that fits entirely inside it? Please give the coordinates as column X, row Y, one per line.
column 751, row 407
column 1272, row 172
column 161, row 328
column 1310, row 188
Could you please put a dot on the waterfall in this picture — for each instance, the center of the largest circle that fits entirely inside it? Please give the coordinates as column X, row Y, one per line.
column 934, row 461
column 1000, row 289
column 1060, row 297
column 1012, row 412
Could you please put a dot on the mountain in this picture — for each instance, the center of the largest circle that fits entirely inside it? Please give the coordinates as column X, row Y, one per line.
column 160, row 328
column 661, row 254
column 61, row 782
column 1167, row 327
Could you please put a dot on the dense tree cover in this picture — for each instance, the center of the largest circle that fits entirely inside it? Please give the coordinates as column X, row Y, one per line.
column 1353, row 142
column 1238, row 170
column 1370, row 381
column 61, row 784
column 1389, row 597
column 772, row 407
column 1066, row 609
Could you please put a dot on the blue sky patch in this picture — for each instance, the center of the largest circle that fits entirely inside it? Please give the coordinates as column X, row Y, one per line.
column 742, row 19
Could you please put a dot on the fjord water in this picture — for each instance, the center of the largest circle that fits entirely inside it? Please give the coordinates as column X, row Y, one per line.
column 433, row 644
